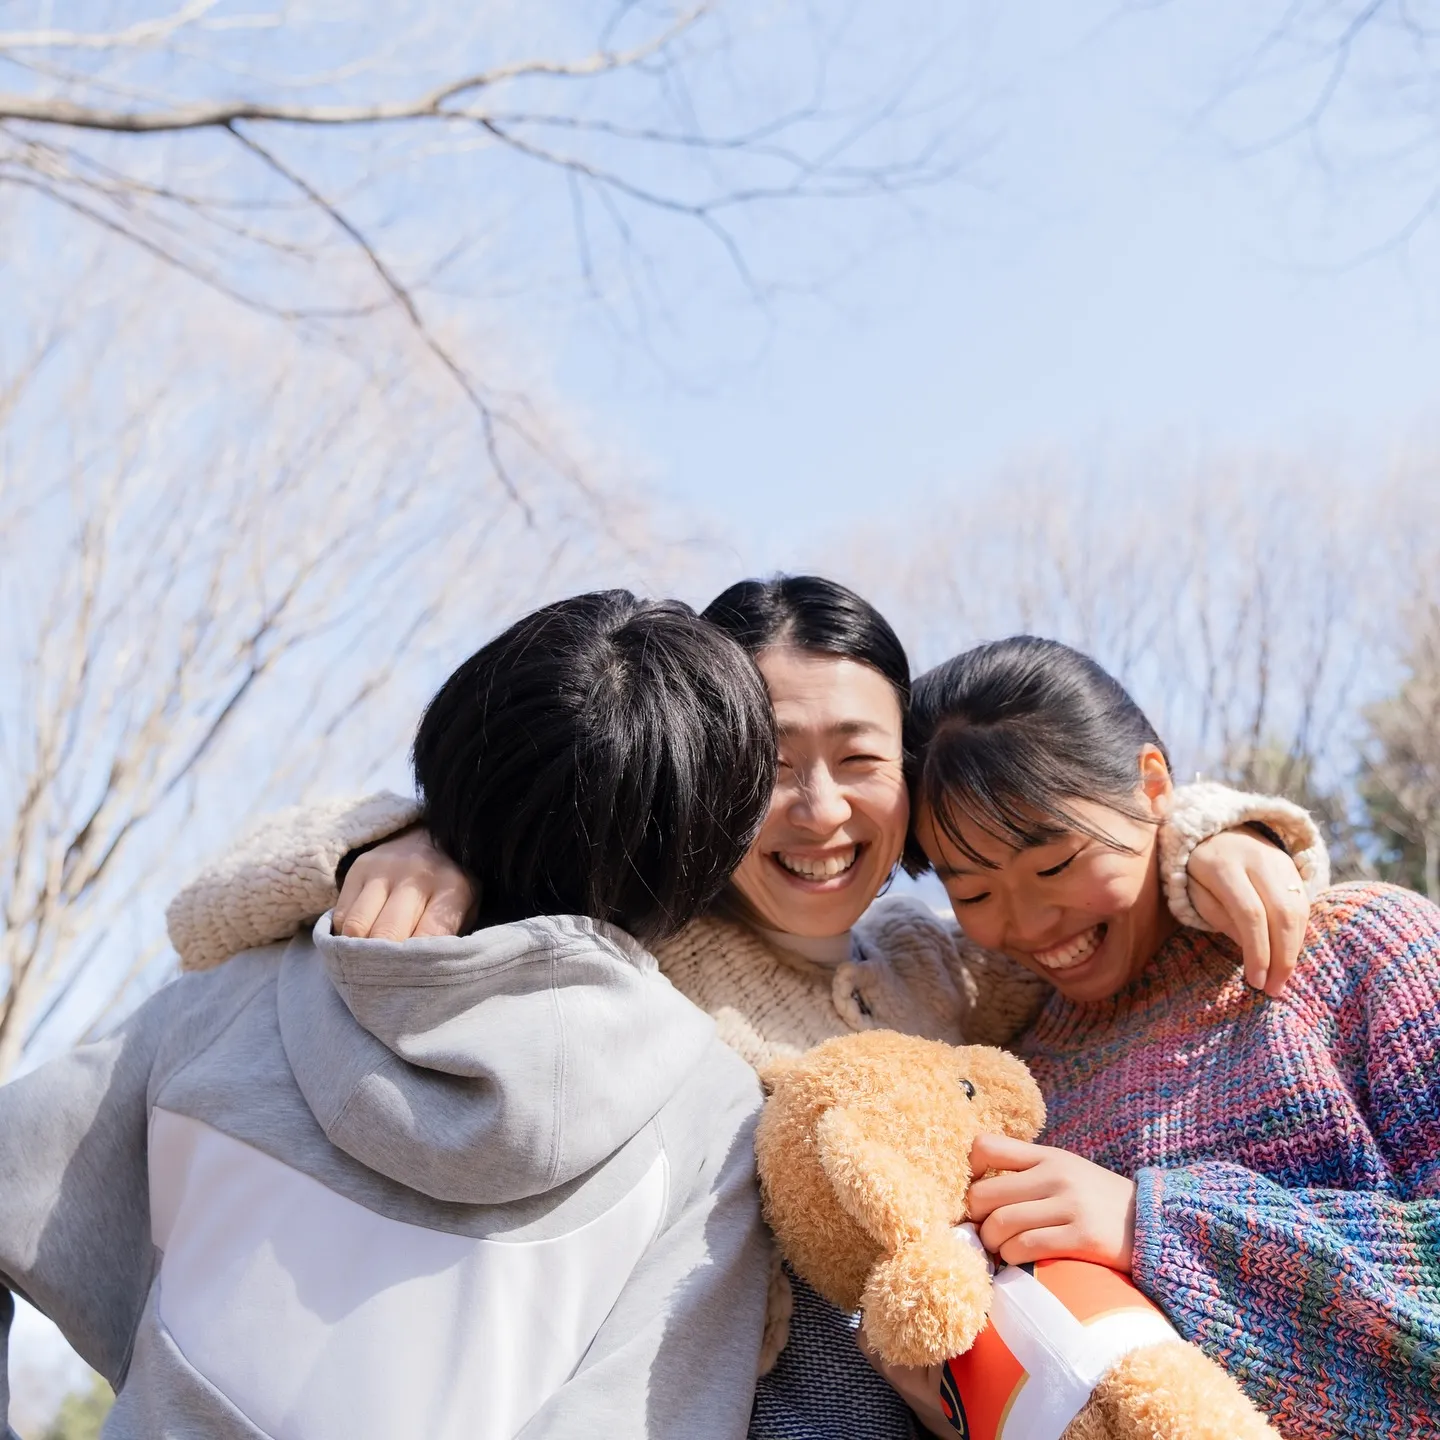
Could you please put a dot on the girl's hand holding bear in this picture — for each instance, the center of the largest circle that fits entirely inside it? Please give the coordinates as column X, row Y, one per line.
column 1050, row 1204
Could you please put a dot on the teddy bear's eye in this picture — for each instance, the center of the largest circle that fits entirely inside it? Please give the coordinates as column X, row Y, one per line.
column 969, row 1089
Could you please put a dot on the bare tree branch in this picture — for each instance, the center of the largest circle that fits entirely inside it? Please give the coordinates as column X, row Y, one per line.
column 435, row 104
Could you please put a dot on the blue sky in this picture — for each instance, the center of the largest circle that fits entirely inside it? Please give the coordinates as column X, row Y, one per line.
column 1108, row 273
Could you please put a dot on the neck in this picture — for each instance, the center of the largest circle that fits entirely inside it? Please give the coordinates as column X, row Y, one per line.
column 827, row 951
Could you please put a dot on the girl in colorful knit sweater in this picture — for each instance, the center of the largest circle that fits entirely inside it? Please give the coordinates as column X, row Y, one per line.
column 1267, row 1169
column 787, row 959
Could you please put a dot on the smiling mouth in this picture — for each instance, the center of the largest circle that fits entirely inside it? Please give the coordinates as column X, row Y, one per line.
column 1072, row 952
column 817, row 867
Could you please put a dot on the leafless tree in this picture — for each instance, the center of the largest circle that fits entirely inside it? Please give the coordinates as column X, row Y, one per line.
column 284, row 155
column 1248, row 601
column 1351, row 87
column 224, row 554
column 298, row 433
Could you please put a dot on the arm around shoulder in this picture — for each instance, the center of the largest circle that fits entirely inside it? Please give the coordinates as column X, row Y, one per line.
column 277, row 877
column 1205, row 809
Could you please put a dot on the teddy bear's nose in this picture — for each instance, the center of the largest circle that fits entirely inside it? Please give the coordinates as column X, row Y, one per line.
column 969, row 1089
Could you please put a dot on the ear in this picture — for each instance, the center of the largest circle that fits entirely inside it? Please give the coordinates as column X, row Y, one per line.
column 1006, row 1094
column 876, row 1186
column 1156, row 787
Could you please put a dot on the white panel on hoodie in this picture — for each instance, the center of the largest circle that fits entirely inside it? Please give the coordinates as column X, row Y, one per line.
column 346, row 1297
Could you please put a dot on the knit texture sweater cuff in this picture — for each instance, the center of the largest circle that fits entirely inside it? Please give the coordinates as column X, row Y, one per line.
column 280, row 875
column 1148, row 1248
column 1202, row 810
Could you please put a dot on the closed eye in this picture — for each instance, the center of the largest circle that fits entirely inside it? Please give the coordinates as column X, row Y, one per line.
column 969, row 899
column 1056, row 869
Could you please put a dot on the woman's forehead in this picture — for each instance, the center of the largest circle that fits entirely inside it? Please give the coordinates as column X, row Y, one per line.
column 827, row 694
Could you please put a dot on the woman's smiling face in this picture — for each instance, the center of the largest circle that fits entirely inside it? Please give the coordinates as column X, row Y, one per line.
column 1084, row 914
column 837, row 820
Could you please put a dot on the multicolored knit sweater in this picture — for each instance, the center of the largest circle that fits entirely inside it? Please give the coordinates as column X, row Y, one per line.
column 1287, row 1156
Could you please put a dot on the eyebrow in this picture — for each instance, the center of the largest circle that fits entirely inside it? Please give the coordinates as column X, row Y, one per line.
column 840, row 727
column 955, row 872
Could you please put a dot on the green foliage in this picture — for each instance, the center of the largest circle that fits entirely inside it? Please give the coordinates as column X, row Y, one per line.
column 1399, row 781
column 1385, row 823
column 82, row 1414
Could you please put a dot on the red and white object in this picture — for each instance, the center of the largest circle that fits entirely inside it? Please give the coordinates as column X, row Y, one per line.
column 1056, row 1328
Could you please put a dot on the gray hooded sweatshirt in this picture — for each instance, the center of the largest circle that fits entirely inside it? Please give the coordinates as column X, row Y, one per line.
column 486, row 1187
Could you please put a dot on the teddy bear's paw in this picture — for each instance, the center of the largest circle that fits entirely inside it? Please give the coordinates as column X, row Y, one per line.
column 927, row 1301
column 1174, row 1391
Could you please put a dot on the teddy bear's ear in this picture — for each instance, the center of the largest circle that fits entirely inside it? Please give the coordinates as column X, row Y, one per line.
column 876, row 1185
column 1005, row 1092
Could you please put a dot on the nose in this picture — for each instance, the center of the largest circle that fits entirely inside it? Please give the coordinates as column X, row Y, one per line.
column 820, row 804
column 1029, row 924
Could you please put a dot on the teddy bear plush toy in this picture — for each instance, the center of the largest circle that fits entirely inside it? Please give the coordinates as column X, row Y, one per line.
column 864, row 1158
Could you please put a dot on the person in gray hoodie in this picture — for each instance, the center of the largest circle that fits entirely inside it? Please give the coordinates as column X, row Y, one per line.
column 488, row 1186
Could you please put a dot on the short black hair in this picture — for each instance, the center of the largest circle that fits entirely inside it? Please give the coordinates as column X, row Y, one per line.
column 1010, row 734
column 814, row 614
column 605, row 756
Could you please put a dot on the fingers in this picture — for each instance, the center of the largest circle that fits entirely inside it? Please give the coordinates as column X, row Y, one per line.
column 1009, row 1188
column 1246, row 888
column 1001, row 1152
column 1228, row 902
column 1211, row 911
column 403, row 888
column 1282, row 892
column 357, row 916
column 1287, row 940
column 401, row 913
column 1252, row 929
column 446, row 911
column 1052, row 1242
column 1011, row 1221
column 918, row 1386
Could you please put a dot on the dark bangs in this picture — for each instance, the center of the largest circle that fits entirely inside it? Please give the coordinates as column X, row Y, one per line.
column 1008, row 736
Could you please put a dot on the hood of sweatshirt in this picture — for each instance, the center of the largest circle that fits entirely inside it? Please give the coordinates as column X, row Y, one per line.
column 485, row 1068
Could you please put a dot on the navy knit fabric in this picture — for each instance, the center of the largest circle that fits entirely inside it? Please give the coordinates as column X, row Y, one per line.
column 822, row 1387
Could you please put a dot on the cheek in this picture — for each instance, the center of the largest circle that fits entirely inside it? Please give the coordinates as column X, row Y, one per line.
column 769, row 836
column 982, row 924
column 1108, row 888
column 746, row 878
column 884, row 803
column 748, row 873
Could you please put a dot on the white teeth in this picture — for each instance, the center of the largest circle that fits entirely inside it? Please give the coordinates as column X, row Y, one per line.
column 814, row 867
column 1073, row 951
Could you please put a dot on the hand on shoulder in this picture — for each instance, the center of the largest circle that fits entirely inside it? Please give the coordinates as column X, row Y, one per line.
column 404, row 888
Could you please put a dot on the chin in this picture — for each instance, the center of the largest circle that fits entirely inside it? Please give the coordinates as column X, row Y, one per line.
column 820, row 915
column 1089, row 992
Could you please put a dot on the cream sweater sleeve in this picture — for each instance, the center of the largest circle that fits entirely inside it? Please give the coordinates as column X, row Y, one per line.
column 1205, row 809
column 277, row 877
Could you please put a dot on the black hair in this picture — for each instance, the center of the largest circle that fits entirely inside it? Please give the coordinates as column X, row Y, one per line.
column 605, row 756
column 812, row 614
column 1010, row 734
